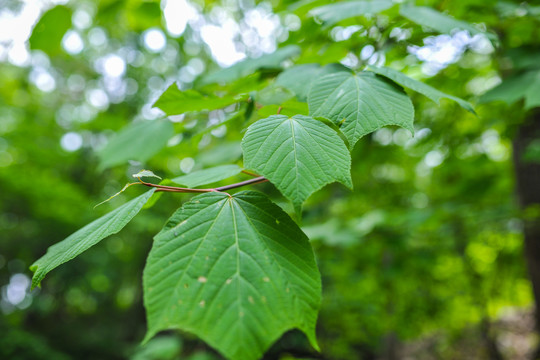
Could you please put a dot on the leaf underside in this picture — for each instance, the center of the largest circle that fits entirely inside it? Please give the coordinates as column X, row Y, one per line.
column 333, row 13
column 235, row 271
column 299, row 155
column 360, row 103
column 174, row 101
column 137, row 141
column 88, row 236
column 442, row 23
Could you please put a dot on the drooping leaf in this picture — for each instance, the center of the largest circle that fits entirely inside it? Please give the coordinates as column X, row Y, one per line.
column 208, row 176
column 50, row 29
column 175, row 101
column 88, row 236
column 298, row 154
column 234, row 270
column 299, row 78
column 360, row 103
column 418, row 86
column 249, row 66
column 333, row 13
column 442, row 23
column 138, row 141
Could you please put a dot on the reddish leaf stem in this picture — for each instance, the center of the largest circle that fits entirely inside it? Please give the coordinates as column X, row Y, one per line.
column 257, row 180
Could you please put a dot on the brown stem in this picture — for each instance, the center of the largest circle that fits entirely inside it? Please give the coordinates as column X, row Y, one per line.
column 257, row 180
column 279, row 110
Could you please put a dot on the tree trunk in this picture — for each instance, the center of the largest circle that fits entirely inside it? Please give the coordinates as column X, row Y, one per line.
column 528, row 192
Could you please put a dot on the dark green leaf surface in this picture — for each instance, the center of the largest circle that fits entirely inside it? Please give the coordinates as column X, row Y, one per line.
column 175, row 101
column 138, row 141
column 299, row 155
column 88, row 236
column 333, row 13
column 418, row 86
column 208, row 176
column 360, row 103
column 249, row 66
column 48, row 33
column 234, row 270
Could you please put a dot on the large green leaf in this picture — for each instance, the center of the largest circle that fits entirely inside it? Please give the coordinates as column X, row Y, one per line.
column 418, row 86
column 138, row 141
column 299, row 155
column 249, row 66
column 175, row 101
column 360, row 103
column 333, row 13
column 442, row 23
column 234, row 270
column 88, row 236
column 299, row 78
column 208, row 176
column 523, row 86
column 50, row 29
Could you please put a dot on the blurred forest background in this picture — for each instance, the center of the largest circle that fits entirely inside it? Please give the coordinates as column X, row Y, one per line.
column 423, row 260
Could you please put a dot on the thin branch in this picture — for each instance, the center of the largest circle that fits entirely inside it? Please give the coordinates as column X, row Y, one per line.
column 257, row 180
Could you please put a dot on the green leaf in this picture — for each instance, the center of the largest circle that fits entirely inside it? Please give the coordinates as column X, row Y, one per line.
column 138, row 141
column 333, row 13
column 418, row 86
column 532, row 96
column 249, row 66
column 50, row 29
column 175, row 101
column 299, row 155
column 208, row 176
column 299, row 78
column 144, row 15
column 442, row 23
column 235, row 271
column 290, row 107
column 523, row 86
column 88, row 236
column 360, row 103
column 145, row 173
column 273, row 94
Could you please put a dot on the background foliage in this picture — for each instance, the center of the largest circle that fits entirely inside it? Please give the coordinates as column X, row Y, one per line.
column 423, row 258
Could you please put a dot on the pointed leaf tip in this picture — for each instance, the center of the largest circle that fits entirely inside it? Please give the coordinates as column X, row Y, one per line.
column 222, row 266
column 145, row 173
column 299, row 155
column 360, row 103
column 88, row 236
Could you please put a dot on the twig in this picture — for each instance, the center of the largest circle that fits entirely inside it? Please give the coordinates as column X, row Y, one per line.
column 257, row 180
